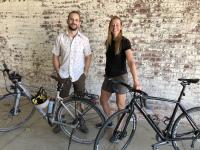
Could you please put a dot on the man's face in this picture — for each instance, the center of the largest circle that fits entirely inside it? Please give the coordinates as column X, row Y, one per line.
column 73, row 22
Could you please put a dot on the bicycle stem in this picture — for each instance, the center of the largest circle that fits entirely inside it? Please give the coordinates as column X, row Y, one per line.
column 17, row 101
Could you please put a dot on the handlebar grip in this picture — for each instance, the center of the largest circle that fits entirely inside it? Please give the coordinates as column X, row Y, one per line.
column 5, row 67
column 141, row 92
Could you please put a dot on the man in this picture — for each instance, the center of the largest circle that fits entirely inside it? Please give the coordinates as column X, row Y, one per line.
column 72, row 57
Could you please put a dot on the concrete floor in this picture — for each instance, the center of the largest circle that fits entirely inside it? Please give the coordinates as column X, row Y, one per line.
column 38, row 135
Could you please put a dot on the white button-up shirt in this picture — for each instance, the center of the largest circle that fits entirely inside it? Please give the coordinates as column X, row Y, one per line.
column 72, row 54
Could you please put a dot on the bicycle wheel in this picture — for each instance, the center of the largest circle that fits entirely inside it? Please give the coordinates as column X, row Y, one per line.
column 10, row 121
column 82, row 116
column 183, row 129
column 104, row 139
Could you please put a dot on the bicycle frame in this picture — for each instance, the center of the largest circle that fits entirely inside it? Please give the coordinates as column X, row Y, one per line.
column 59, row 100
column 165, row 135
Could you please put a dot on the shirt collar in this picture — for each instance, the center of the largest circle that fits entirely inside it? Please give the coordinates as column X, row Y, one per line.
column 78, row 33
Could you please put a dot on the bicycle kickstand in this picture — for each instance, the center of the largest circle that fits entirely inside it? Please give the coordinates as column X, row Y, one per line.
column 155, row 146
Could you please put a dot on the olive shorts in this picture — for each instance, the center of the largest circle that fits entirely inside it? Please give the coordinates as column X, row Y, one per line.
column 111, row 87
column 79, row 86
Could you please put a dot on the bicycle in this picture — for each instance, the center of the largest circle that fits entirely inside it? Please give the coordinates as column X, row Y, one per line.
column 16, row 108
column 183, row 130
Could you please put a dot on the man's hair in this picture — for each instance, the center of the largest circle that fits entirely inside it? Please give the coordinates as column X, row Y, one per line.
column 74, row 12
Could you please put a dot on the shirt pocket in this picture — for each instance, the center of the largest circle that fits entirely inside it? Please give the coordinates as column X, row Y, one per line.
column 65, row 47
column 78, row 47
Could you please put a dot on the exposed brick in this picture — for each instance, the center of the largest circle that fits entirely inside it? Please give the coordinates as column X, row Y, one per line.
column 164, row 35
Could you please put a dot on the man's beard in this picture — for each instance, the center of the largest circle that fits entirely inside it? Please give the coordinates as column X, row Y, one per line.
column 73, row 29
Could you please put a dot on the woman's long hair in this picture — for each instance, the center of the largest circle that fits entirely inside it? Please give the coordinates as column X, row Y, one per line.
column 117, row 39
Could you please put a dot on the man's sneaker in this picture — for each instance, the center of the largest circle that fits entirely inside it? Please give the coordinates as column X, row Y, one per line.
column 56, row 129
column 83, row 128
column 99, row 125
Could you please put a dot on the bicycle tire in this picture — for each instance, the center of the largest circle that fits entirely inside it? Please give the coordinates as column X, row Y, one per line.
column 90, row 116
column 183, row 129
column 9, row 121
column 102, row 140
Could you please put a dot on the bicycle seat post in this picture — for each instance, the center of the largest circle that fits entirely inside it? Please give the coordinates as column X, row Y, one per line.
column 182, row 93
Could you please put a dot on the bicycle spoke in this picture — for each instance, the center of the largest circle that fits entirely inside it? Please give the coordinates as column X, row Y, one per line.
column 9, row 120
column 119, row 135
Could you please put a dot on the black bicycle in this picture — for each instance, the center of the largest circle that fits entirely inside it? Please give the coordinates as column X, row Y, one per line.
column 70, row 114
column 182, row 131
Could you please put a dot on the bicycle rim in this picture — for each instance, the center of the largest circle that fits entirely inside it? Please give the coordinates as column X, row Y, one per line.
column 103, row 139
column 9, row 121
column 183, row 129
column 88, row 116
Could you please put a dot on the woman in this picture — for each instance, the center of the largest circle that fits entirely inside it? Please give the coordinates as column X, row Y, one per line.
column 118, row 52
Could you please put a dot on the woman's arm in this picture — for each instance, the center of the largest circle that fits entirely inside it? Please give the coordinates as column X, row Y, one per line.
column 133, row 69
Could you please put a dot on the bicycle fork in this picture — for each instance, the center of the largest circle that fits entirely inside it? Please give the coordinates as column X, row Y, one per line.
column 15, row 110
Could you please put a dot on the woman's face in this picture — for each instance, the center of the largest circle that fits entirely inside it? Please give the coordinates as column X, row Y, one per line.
column 115, row 27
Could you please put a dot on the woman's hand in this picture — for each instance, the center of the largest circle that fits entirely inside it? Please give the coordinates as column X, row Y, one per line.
column 137, row 85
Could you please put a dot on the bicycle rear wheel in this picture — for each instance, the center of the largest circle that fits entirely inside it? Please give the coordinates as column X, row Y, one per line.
column 183, row 129
column 78, row 114
column 104, row 139
column 10, row 121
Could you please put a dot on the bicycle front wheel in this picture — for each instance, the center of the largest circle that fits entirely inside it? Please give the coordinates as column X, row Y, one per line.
column 119, row 135
column 80, row 116
column 10, row 120
column 189, row 138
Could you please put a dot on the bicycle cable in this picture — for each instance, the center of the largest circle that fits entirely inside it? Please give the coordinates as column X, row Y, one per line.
column 6, row 83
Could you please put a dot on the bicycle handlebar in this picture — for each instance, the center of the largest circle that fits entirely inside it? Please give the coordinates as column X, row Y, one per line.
column 12, row 76
column 6, row 68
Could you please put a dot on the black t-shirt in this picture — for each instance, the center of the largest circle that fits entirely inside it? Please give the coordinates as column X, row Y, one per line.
column 116, row 64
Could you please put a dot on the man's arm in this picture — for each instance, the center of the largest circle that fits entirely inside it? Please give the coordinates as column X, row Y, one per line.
column 56, row 63
column 88, row 59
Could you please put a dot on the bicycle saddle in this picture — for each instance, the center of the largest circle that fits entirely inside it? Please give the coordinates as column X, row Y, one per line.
column 189, row 80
